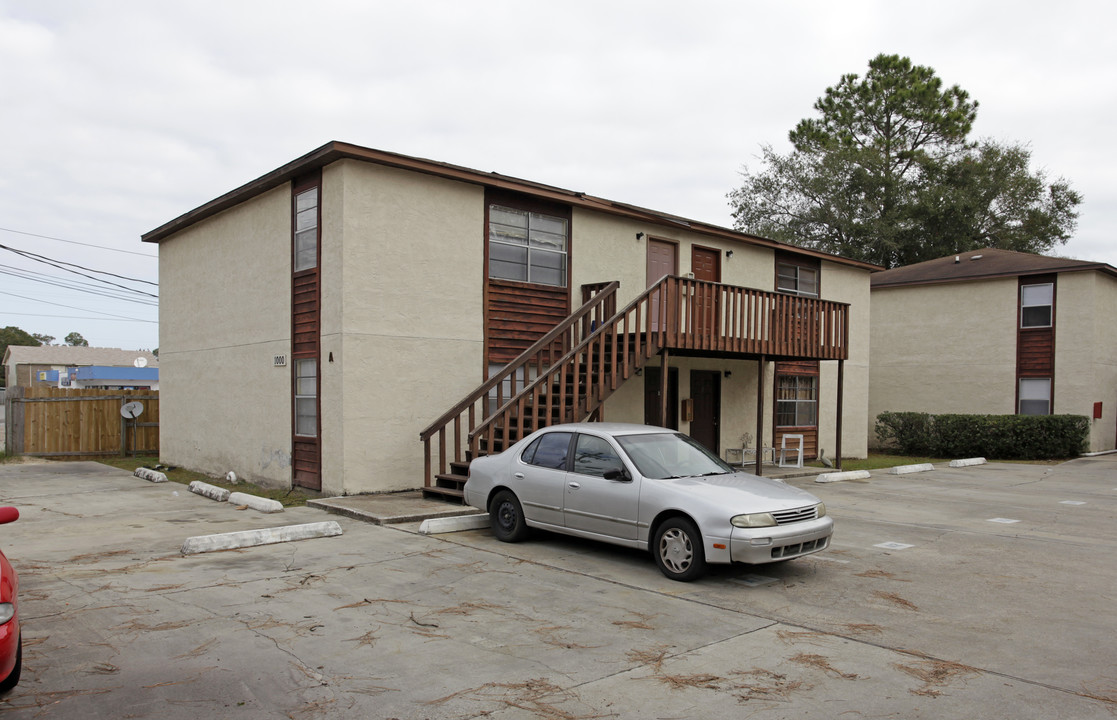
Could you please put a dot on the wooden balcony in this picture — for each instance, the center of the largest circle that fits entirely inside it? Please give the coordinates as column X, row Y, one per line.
column 706, row 316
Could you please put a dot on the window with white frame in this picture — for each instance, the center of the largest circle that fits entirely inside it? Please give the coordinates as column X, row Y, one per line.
column 306, row 397
column 306, row 229
column 527, row 246
column 796, row 400
column 797, row 279
column 1035, row 305
column 1035, row 396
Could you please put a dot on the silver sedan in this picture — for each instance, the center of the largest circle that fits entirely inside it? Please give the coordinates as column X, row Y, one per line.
column 648, row 488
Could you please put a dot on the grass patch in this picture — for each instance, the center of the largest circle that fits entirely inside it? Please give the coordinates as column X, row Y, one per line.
column 293, row 497
column 882, row 461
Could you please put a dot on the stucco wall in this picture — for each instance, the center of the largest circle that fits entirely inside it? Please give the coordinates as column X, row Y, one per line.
column 1085, row 352
column 223, row 318
column 1104, row 430
column 402, row 282
column 850, row 285
column 606, row 248
column 947, row 348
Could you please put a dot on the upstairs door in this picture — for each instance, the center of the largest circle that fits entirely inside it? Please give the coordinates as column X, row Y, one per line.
column 663, row 259
column 705, row 263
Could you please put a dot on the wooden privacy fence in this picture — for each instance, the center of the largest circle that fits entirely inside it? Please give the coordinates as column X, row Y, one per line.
column 60, row 422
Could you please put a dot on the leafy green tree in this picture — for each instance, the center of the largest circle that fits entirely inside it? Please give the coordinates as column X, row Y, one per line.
column 75, row 338
column 887, row 174
column 43, row 339
column 12, row 335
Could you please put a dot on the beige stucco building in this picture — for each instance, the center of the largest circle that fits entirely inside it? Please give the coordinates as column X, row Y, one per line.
column 316, row 321
column 997, row 332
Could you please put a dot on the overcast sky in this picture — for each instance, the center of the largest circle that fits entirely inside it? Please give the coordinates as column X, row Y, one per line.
column 118, row 116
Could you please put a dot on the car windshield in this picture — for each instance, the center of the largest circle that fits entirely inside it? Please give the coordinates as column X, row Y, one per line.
column 670, row 455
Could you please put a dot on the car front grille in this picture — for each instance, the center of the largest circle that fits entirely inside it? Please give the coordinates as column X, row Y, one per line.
column 798, row 549
column 786, row 517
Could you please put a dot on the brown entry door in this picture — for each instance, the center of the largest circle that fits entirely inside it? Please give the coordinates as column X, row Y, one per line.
column 662, row 260
column 705, row 263
column 705, row 391
column 653, row 398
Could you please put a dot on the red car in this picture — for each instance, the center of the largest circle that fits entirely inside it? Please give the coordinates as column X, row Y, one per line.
column 11, row 647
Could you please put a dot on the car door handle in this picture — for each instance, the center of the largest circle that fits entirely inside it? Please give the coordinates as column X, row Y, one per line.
column 575, row 485
column 518, row 476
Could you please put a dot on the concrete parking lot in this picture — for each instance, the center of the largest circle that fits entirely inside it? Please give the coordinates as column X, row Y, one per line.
column 929, row 604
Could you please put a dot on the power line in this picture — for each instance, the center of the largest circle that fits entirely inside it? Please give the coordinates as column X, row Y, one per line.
column 59, row 264
column 47, row 302
column 74, row 242
column 72, row 285
column 76, row 317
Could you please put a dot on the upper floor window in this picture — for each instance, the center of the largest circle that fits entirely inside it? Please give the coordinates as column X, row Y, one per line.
column 1035, row 305
column 527, row 246
column 306, row 229
column 797, row 279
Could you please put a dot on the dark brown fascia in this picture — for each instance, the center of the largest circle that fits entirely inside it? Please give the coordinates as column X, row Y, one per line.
column 1100, row 267
column 334, row 151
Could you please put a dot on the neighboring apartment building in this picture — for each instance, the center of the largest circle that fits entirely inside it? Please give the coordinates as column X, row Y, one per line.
column 77, row 366
column 997, row 332
column 318, row 324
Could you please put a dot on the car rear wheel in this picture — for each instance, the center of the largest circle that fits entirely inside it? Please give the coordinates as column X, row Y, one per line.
column 506, row 517
column 678, row 550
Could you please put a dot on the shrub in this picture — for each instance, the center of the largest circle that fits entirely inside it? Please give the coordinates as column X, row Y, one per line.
column 1023, row 437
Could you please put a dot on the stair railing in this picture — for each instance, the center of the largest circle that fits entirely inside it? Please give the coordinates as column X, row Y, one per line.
column 599, row 303
column 574, row 387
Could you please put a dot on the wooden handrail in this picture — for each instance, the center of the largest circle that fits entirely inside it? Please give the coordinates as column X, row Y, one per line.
column 562, row 363
column 608, row 289
column 674, row 313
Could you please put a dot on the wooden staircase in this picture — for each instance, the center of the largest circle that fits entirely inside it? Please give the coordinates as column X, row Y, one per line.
column 564, row 377
column 569, row 373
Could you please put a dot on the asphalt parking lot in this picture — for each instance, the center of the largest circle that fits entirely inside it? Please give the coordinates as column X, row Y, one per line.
column 930, row 603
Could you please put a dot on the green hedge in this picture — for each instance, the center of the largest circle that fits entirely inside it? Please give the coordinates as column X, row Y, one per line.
column 1019, row 437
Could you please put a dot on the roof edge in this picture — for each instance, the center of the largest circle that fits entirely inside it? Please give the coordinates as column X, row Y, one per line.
column 336, row 150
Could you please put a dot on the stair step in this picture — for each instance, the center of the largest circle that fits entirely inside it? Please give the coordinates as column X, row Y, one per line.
column 445, row 493
column 453, row 479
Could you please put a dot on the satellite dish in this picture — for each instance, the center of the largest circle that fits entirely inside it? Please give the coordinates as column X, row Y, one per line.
column 140, row 362
column 132, row 409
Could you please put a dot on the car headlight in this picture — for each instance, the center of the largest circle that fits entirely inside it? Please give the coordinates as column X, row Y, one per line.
column 821, row 510
column 7, row 612
column 753, row 520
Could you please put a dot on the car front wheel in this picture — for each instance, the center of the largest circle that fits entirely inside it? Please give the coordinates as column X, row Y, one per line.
column 678, row 550
column 506, row 517
column 13, row 677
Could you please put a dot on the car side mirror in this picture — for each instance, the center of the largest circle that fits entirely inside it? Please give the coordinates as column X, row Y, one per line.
column 618, row 474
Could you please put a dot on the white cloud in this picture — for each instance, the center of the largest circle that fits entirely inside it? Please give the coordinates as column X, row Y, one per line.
column 121, row 115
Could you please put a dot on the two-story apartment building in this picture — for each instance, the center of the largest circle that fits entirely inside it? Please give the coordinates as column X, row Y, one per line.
column 997, row 332
column 356, row 321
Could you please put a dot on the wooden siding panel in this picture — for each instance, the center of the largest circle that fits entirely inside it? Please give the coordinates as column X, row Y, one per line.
column 518, row 314
column 1036, row 353
column 810, row 441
